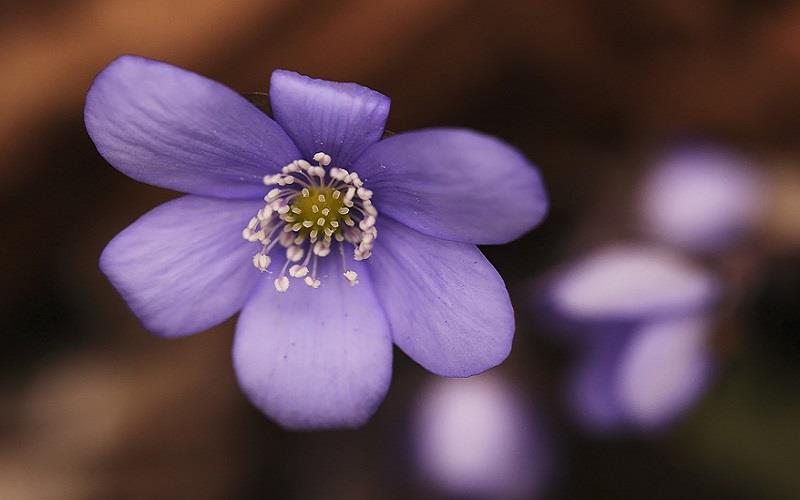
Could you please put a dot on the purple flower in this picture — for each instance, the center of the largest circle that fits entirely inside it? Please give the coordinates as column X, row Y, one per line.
column 643, row 377
column 701, row 199
column 479, row 438
column 643, row 335
column 333, row 242
column 626, row 283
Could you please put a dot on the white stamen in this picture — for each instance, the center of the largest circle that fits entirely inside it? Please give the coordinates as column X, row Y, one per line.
column 321, row 249
column 367, row 223
column 294, row 253
column 282, row 284
column 298, row 271
column 265, row 213
column 261, row 261
column 322, row 159
column 352, row 277
column 286, row 238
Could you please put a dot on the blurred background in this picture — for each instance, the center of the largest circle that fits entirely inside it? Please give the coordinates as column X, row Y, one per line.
column 94, row 407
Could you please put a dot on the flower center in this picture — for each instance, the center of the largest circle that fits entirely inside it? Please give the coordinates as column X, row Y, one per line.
column 308, row 212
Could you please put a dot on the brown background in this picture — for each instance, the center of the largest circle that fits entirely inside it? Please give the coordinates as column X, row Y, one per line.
column 91, row 406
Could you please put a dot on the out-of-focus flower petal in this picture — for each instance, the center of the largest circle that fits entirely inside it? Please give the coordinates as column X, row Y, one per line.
column 175, row 129
column 663, row 369
column 592, row 387
column 643, row 378
column 701, row 199
column 447, row 306
column 184, row 267
column 631, row 283
column 455, row 184
column 315, row 358
column 477, row 438
column 339, row 119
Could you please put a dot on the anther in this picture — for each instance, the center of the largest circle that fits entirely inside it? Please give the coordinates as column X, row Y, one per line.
column 312, row 282
column 351, row 277
column 294, row 253
column 298, row 271
column 261, row 261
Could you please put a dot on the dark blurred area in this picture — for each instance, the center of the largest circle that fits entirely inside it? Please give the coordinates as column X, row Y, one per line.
column 94, row 407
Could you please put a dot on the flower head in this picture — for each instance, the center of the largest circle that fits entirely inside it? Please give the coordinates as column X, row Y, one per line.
column 626, row 284
column 480, row 438
column 701, row 198
column 642, row 337
column 332, row 241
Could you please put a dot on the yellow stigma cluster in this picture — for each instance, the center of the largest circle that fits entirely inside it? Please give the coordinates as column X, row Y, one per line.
column 318, row 212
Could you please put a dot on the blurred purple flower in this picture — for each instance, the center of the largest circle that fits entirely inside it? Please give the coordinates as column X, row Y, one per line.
column 701, row 199
column 644, row 377
column 643, row 336
column 622, row 284
column 478, row 438
column 311, row 358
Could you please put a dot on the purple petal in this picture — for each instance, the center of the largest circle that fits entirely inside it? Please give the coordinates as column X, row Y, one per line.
column 643, row 377
column 175, row 129
column 340, row 119
column 631, row 283
column 478, row 438
column 702, row 199
column 455, row 184
column 448, row 308
column 315, row 358
column 184, row 267
column 663, row 370
column 592, row 391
